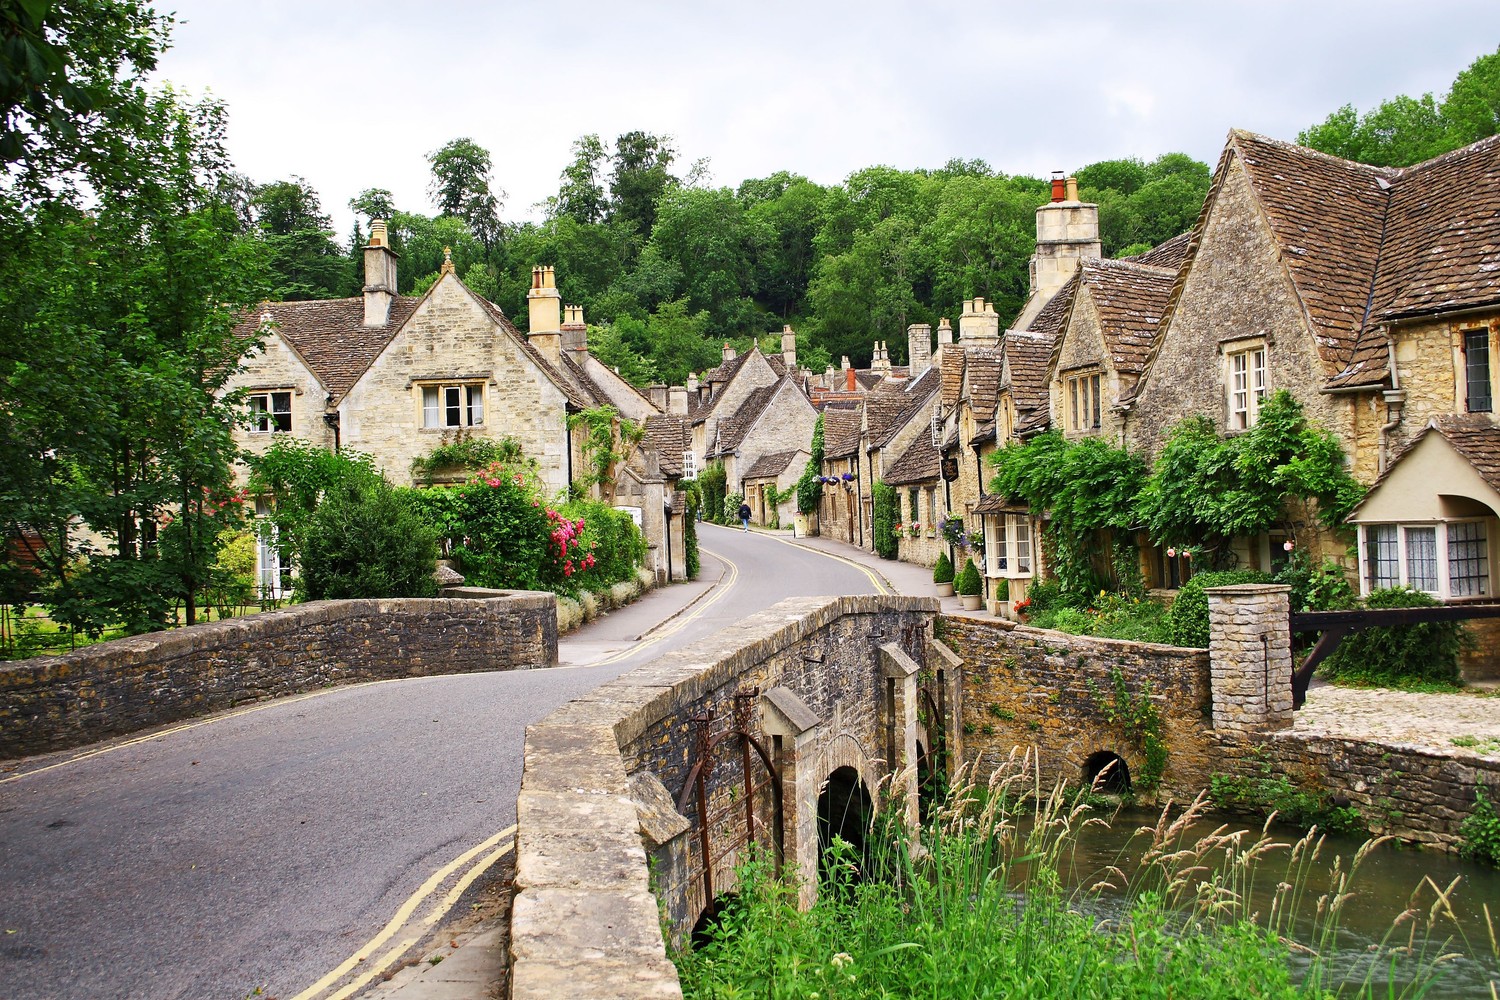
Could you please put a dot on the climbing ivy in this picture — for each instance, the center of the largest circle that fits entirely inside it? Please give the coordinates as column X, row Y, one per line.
column 809, row 486
column 885, row 509
column 1137, row 715
column 467, row 453
column 608, row 440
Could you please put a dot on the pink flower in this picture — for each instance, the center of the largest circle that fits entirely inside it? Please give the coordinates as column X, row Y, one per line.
column 492, row 482
column 1171, row 553
column 1288, row 545
column 568, row 568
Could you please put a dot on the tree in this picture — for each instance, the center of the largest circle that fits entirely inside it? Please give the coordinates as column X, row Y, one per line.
column 642, row 165
column 306, row 263
column 581, row 194
column 374, row 203
column 461, row 188
column 1472, row 108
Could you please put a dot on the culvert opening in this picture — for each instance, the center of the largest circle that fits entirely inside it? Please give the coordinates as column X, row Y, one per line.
column 1107, row 772
column 712, row 918
column 844, row 811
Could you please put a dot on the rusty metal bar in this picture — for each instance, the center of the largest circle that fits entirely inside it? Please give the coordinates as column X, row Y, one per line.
column 743, row 701
column 704, row 748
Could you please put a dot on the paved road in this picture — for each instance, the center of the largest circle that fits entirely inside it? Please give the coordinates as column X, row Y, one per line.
column 268, row 848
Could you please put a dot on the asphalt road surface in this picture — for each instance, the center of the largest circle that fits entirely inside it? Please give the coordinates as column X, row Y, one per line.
column 295, row 849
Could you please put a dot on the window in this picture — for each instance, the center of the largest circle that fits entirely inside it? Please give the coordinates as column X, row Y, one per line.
column 452, row 405
column 1008, row 546
column 689, row 465
column 932, row 511
column 272, row 569
column 914, row 506
column 1084, row 410
column 1449, row 559
column 271, row 412
column 1477, row 370
column 1247, row 387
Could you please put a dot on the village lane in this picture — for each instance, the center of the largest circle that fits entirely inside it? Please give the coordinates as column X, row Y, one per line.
column 267, row 848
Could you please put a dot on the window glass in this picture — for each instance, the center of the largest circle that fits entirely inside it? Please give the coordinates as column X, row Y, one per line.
column 998, row 546
column 1022, row 533
column 1421, row 558
column 1247, row 387
column 1477, row 370
column 1094, row 395
column 1382, row 560
column 1468, row 559
column 476, row 405
column 271, row 412
column 431, row 411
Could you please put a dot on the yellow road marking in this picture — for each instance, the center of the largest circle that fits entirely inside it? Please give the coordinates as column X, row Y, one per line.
column 234, row 714
column 720, row 591
column 404, row 912
column 881, row 585
column 405, row 944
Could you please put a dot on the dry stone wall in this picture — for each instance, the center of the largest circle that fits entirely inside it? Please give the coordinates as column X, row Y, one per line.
column 56, row 702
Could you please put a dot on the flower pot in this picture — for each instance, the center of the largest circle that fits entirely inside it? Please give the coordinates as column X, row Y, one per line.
column 971, row 601
column 944, row 589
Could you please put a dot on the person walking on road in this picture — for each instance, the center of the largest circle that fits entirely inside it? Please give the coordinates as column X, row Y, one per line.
column 745, row 517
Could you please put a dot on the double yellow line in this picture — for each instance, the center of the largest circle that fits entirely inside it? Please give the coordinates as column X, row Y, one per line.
column 722, row 588
column 411, row 931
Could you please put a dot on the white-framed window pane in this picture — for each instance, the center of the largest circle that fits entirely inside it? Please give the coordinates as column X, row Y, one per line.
column 432, row 411
column 1094, row 385
column 999, row 546
column 1239, row 395
column 452, row 406
column 476, row 405
column 1468, row 559
column 1421, row 559
column 1257, row 378
column 281, row 412
column 1022, row 534
column 260, row 415
column 1382, row 557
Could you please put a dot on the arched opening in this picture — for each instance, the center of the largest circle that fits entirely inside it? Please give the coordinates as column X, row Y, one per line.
column 712, row 917
column 844, row 811
column 1107, row 772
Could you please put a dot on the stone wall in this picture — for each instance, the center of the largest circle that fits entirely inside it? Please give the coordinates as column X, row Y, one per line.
column 275, row 366
column 56, row 702
column 825, row 683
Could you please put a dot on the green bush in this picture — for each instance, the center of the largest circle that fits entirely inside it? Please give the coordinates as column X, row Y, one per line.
column 610, row 549
column 1324, row 587
column 943, row 571
column 731, row 510
column 885, row 509
column 712, row 482
column 1481, row 830
column 967, row 582
column 498, row 530
column 1265, row 792
column 1399, row 656
column 690, row 529
column 366, row 540
column 1186, row 622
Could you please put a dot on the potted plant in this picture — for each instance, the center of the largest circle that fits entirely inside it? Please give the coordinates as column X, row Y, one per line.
column 942, row 575
column 1001, row 598
column 969, row 585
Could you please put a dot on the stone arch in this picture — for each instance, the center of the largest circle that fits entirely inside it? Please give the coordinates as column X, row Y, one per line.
column 846, row 810
column 1106, row 772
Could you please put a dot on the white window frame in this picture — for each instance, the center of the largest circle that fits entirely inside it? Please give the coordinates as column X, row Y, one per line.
column 1082, row 392
column 446, row 406
column 1442, row 551
column 264, row 411
column 1246, row 385
column 272, row 576
column 689, row 465
column 1010, row 546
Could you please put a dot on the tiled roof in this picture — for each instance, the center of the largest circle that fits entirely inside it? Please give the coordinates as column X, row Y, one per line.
column 996, row 503
column 733, row 428
column 953, row 374
column 1049, row 322
column 1327, row 215
column 984, row 365
column 1130, row 299
column 583, row 381
column 1027, row 359
column 669, row 437
column 919, row 464
column 1474, row 436
column 769, row 466
column 576, row 395
column 1172, row 253
column 1442, row 239
column 891, row 405
column 983, row 431
column 330, row 335
column 841, row 432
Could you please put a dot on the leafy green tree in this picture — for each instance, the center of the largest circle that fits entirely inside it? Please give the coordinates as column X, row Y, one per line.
column 700, row 237
column 373, row 203
column 305, row 261
column 461, row 187
column 642, row 174
column 1472, row 108
column 780, row 230
column 1125, row 176
column 581, row 194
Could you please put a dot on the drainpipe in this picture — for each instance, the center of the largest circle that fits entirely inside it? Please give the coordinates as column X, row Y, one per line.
column 859, row 507
column 568, row 450
column 979, row 476
column 332, row 420
column 1395, row 404
column 666, row 510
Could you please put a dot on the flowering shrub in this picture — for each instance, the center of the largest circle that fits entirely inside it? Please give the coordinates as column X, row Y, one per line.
column 952, row 530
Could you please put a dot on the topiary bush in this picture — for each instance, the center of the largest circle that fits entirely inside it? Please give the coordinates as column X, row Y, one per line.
column 1400, row 656
column 1186, row 621
column 943, row 571
column 968, row 582
column 365, row 540
column 885, row 511
column 690, row 529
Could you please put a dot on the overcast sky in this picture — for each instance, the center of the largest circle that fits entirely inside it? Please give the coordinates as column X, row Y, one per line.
column 354, row 95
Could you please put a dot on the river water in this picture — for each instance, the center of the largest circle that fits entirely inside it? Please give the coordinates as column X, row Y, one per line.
column 1390, row 879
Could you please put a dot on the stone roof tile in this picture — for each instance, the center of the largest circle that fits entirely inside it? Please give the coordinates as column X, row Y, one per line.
column 918, row 464
column 769, row 466
column 841, row 432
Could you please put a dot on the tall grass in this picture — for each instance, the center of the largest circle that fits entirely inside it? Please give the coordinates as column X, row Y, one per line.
column 977, row 908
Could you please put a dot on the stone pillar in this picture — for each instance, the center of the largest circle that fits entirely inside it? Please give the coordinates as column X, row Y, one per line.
column 795, row 730
column 1250, row 656
column 900, row 670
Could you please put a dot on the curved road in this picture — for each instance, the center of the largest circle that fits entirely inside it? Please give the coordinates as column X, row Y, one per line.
column 300, row 847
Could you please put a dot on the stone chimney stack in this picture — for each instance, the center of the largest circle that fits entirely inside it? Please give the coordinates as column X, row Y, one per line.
column 692, row 383
column 881, row 361
column 979, row 325
column 918, row 349
column 728, row 352
column 544, row 312
column 575, row 333
column 789, row 348
column 1067, row 232
column 677, row 401
column 657, row 393
column 945, row 333
column 380, row 275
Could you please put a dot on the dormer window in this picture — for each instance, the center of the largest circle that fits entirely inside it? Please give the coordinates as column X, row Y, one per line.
column 1081, row 393
column 445, row 406
column 271, row 412
column 1477, row 371
column 1246, row 384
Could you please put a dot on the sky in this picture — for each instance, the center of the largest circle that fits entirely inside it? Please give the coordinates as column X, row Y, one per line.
column 353, row 95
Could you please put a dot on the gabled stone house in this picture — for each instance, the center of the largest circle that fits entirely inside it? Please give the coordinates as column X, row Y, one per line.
column 772, row 419
column 838, row 511
column 779, row 471
column 395, row 376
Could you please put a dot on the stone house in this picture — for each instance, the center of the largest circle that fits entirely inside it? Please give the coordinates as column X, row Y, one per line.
column 838, row 511
column 395, row 376
column 720, row 392
column 779, row 471
column 769, row 420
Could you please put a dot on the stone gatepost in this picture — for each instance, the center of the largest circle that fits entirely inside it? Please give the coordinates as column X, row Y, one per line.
column 1250, row 656
column 899, row 673
column 795, row 731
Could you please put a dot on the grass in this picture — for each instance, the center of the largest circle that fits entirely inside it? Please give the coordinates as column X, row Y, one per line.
column 977, row 909
column 1486, row 745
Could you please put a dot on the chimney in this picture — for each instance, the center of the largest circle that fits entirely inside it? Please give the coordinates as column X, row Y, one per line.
column 979, row 325
column 692, row 384
column 789, row 348
column 1059, row 187
column 844, row 363
column 879, row 361
column 380, row 275
column 945, row 332
column 1072, row 189
column 728, row 352
column 677, row 401
column 657, row 393
column 850, row 385
column 1067, row 232
column 918, row 349
column 575, row 333
column 544, row 314
column 828, row 382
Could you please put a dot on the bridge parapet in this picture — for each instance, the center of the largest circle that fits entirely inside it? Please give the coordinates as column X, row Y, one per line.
column 1250, row 649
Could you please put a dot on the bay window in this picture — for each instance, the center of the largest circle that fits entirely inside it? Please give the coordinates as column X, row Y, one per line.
column 1449, row 559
